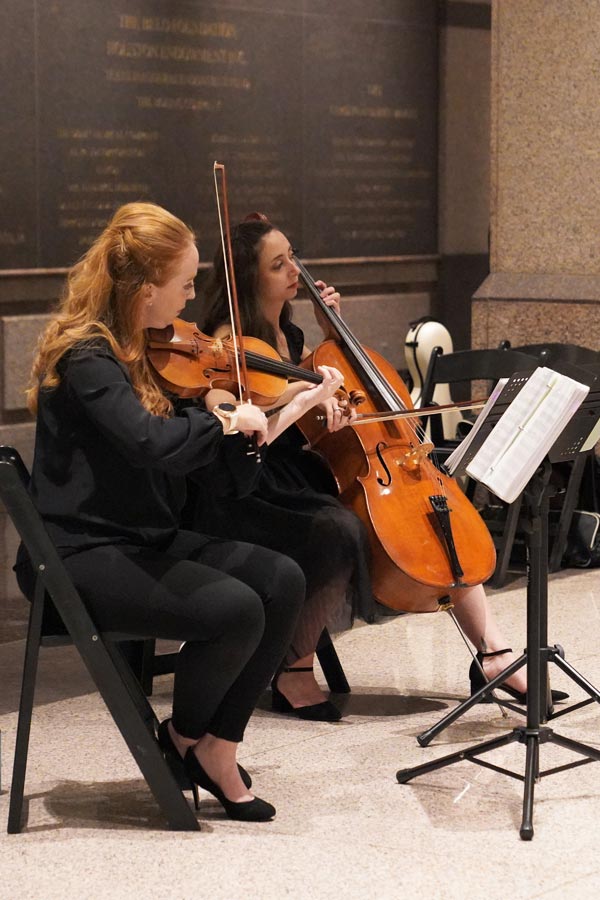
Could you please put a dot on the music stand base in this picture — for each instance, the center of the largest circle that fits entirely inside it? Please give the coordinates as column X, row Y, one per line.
column 537, row 656
column 532, row 738
column 555, row 655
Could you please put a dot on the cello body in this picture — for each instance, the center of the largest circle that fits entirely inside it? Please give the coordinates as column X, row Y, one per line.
column 384, row 475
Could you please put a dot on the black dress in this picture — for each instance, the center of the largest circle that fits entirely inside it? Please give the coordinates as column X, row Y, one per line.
column 293, row 509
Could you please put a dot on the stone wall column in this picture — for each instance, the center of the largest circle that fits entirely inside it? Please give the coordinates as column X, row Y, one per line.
column 545, row 176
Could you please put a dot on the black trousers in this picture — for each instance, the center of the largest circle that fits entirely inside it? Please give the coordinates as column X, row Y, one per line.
column 234, row 604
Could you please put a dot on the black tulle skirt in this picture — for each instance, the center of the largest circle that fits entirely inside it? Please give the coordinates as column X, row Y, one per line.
column 294, row 511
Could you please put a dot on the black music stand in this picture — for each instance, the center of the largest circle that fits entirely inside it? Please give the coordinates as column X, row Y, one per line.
column 537, row 654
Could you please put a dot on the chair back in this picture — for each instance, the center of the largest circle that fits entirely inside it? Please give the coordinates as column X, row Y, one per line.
column 553, row 354
column 473, row 365
column 466, row 366
column 51, row 574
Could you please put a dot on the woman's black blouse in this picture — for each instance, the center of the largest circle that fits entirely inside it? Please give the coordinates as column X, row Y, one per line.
column 106, row 471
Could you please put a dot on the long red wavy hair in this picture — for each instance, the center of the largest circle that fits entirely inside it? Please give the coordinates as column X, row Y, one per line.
column 103, row 297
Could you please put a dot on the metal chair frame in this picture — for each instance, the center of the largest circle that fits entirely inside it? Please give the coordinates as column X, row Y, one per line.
column 100, row 652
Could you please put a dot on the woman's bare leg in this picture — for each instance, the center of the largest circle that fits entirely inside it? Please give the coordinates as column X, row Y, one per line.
column 477, row 620
column 218, row 759
column 301, row 688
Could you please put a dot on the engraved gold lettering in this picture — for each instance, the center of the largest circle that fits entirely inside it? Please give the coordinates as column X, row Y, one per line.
column 259, row 139
column 107, row 170
column 175, row 53
column 80, row 222
column 178, row 78
column 191, row 103
column 108, row 187
column 372, row 157
column 378, row 142
column 365, row 172
column 166, row 25
column 349, row 110
column 109, row 134
column 131, row 22
column 79, row 152
column 87, row 203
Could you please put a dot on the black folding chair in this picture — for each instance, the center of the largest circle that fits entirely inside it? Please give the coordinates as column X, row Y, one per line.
column 459, row 370
column 100, row 651
column 551, row 353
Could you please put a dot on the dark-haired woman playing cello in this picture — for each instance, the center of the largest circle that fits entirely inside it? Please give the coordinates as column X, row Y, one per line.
column 109, row 477
column 292, row 507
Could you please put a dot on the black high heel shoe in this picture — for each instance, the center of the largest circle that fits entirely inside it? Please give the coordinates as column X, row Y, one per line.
column 176, row 764
column 255, row 810
column 317, row 712
column 478, row 681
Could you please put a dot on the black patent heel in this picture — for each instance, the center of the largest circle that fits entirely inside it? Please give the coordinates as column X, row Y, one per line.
column 478, row 680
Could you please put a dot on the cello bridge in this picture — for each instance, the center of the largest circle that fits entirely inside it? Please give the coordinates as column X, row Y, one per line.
column 413, row 458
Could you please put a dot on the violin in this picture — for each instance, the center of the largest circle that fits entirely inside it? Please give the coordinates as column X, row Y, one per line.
column 425, row 535
column 190, row 363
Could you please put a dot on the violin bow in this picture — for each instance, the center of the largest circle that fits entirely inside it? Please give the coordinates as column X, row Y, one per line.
column 416, row 413
column 232, row 297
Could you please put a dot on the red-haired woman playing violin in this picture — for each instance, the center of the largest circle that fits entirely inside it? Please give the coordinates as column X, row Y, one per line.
column 109, row 478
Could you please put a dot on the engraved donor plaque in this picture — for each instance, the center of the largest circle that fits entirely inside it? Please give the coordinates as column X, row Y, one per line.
column 324, row 115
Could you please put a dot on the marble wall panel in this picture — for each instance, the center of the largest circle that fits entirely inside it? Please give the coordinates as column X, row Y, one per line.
column 535, row 322
column 13, row 608
column 545, row 156
column 379, row 322
column 19, row 339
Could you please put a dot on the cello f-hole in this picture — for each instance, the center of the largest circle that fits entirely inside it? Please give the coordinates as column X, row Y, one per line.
column 382, row 445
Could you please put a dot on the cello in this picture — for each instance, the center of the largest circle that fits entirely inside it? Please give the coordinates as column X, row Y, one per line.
column 426, row 537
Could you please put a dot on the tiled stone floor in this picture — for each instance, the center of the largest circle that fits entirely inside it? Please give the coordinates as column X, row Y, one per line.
column 344, row 826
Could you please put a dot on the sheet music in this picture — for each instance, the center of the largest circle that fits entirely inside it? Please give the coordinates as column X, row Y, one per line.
column 526, row 432
column 457, row 455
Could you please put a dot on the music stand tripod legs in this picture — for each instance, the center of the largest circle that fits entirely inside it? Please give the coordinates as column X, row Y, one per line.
column 536, row 656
